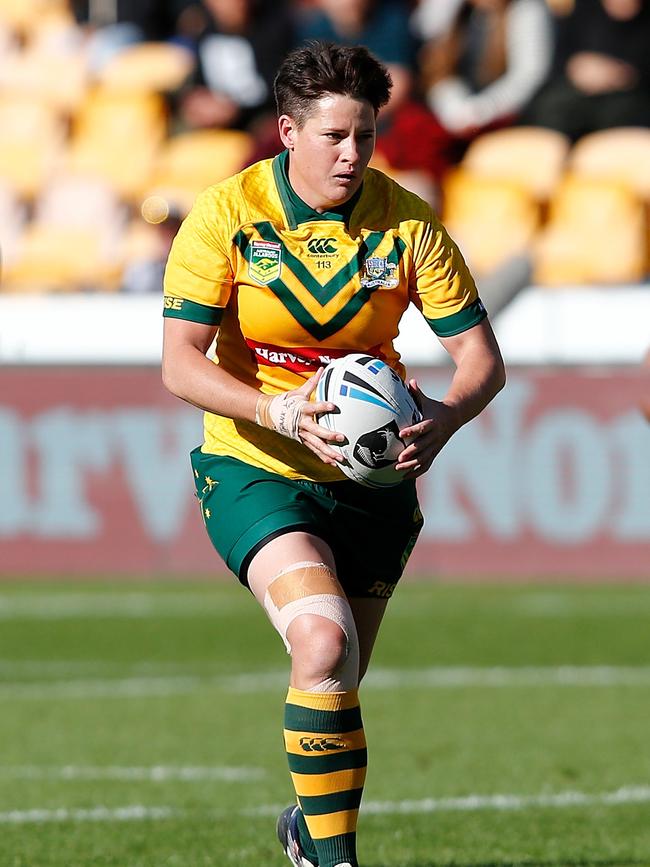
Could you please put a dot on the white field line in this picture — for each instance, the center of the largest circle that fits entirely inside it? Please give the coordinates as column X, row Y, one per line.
column 70, row 606
column 155, row 774
column 469, row 803
column 70, row 668
column 379, row 679
column 94, row 814
column 558, row 604
column 126, row 603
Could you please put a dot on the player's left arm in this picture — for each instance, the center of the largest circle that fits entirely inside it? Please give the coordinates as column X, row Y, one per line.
column 479, row 376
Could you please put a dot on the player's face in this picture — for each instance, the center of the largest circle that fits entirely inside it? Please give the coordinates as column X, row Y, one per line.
column 329, row 153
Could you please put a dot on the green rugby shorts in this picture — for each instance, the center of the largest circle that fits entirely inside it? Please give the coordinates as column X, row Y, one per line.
column 371, row 532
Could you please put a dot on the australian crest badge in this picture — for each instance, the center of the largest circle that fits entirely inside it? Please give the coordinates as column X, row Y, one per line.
column 265, row 261
column 378, row 271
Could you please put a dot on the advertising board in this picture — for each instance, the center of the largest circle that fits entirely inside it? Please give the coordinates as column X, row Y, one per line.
column 552, row 481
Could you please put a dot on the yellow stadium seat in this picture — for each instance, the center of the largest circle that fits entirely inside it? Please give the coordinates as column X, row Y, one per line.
column 121, row 116
column 79, row 201
column 190, row 162
column 116, row 135
column 53, row 258
column 155, row 66
column 596, row 234
column 139, row 241
column 57, row 78
column 31, row 139
column 74, row 239
column 621, row 154
column 54, row 30
column 12, row 221
column 7, row 39
column 21, row 15
column 531, row 157
column 491, row 220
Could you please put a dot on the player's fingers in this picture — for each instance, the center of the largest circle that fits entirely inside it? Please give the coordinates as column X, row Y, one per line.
column 419, row 454
column 415, row 467
column 307, row 425
column 416, row 472
column 321, row 449
column 416, row 393
column 319, row 407
column 308, row 387
column 419, row 429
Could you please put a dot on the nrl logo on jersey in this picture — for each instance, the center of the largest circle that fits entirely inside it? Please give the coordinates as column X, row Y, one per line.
column 265, row 261
column 378, row 271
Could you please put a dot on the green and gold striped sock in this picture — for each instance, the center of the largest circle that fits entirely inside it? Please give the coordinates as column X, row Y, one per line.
column 326, row 747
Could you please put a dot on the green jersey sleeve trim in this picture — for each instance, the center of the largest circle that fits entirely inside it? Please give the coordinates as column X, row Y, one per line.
column 181, row 308
column 448, row 326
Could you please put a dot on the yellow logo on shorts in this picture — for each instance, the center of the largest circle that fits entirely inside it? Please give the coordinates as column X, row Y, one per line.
column 173, row 303
column 383, row 590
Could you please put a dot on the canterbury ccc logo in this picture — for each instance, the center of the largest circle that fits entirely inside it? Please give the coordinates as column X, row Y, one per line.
column 322, row 246
column 321, row 745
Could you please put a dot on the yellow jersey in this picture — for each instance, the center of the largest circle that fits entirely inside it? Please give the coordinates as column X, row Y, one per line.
column 291, row 289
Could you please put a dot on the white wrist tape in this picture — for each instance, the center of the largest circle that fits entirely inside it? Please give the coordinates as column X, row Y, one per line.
column 281, row 413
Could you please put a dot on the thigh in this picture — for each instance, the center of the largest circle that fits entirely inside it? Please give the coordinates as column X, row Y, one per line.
column 281, row 553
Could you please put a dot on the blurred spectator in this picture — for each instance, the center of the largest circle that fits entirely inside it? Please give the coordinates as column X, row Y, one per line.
column 145, row 270
column 381, row 25
column 406, row 131
column 601, row 71
column 432, row 18
column 483, row 67
column 239, row 44
column 115, row 24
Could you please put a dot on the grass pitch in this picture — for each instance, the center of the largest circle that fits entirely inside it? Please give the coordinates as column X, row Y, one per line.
column 140, row 726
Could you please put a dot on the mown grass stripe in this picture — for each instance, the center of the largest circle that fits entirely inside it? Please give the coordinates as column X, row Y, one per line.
column 155, row 773
column 506, row 802
column 394, row 679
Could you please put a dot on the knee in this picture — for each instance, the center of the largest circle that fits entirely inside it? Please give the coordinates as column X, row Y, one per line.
column 319, row 645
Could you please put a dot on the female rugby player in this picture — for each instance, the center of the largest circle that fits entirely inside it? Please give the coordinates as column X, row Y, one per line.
column 295, row 261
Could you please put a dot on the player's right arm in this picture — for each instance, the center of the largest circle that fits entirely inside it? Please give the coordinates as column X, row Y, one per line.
column 198, row 283
column 189, row 374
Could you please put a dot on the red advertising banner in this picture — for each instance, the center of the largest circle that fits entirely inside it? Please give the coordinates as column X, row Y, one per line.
column 552, row 481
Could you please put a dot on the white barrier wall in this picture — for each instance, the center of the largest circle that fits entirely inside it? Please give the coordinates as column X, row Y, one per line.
column 610, row 325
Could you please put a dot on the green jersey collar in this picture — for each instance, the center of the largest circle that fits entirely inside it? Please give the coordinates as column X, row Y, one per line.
column 298, row 211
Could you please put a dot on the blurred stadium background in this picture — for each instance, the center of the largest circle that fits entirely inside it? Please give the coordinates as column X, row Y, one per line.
column 102, row 150
column 99, row 159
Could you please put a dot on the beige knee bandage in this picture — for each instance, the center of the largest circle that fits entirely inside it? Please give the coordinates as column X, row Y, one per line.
column 312, row 588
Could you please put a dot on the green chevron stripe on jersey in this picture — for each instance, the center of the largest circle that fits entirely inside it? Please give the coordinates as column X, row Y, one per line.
column 322, row 294
column 317, row 330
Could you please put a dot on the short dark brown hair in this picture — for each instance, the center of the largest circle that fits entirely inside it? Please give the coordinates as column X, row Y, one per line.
column 316, row 69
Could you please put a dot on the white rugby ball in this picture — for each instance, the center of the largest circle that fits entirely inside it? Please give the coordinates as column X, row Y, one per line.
column 373, row 405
